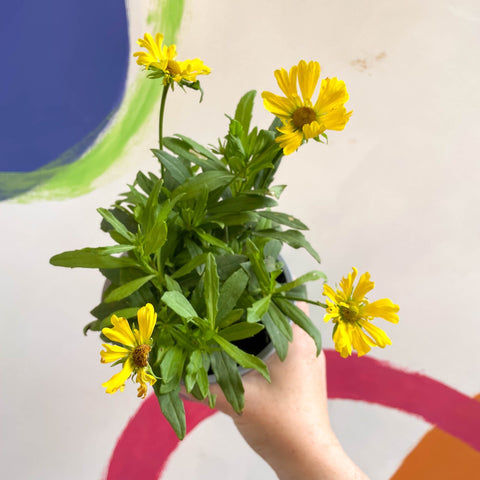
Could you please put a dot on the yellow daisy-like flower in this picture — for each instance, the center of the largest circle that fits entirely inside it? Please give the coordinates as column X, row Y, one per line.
column 351, row 313
column 161, row 58
column 134, row 352
column 301, row 118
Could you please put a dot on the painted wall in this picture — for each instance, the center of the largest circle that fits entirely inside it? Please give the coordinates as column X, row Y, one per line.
column 396, row 193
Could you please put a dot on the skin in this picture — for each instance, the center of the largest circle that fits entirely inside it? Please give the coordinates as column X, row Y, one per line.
column 286, row 422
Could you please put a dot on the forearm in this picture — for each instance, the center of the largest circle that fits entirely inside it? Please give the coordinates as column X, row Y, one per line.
column 315, row 460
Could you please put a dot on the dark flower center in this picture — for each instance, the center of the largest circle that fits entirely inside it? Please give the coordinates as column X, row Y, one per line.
column 140, row 355
column 348, row 315
column 303, row 116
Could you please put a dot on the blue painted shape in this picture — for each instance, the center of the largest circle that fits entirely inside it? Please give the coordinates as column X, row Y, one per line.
column 63, row 71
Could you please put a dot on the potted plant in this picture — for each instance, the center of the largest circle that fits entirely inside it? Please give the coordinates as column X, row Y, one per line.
column 196, row 285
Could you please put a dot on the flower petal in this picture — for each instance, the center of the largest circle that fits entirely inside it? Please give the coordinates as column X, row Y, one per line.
column 146, row 322
column 290, row 139
column 287, row 81
column 308, row 75
column 191, row 68
column 333, row 94
column 121, row 332
column 312, row 130
column 378, row 335
column 112, row 353
column 361, row 343
column 159, row 56
column 363, row 287
column 280, row 106
column 383, row 308
column 336, row 119
column 346, row 284
column 329, row 292
column 341, row 337
column 142, row 379
column 332, row 312
column 117, row 382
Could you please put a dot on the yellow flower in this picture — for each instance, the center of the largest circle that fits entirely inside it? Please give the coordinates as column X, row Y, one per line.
column 301, row 118
column 161, row 59
column 351, row 313
column 134, row 352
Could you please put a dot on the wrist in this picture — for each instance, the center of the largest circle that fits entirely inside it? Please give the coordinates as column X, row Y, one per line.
column 313, row 457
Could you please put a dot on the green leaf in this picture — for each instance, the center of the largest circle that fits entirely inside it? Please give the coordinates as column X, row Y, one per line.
column 200, row 208
column 227, row 264
column 284, row 219
column 210, row 180
column 240, row 203
column 243, row 113
column 191, row 265
column 279, row 340
column 193, row 366
column 232, row 317
column 198, row 148
column 292, row 237
column 153, row 223
column 301, row 319
column 211, row 240
column 228, row 377
column 182, row 149
column 155, row 238
column 196, row 377
column 307, row 277
column 234, row 148
column 145, row 183
column 258, row 265
column 242, row 358
column 172, row 285
column 127, row 289
column 258, row 309
column 179, row 172
column 231, row 219
column 281, row 321
column 211, row 400
column 172, row 364
column 94, row 258
column 148, row 216
column 272, row 249
column 241, row 330
column 118, row 226
column 232, row 289
column 277, row 190
column 235, row 129
column 173, row 409
column 210, row 288
column 179, row 304
column 202, row 382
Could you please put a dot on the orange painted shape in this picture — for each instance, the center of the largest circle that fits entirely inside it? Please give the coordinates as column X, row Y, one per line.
column 441, row 456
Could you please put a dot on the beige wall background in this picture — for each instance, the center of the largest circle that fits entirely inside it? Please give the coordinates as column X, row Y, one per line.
column 397, row 194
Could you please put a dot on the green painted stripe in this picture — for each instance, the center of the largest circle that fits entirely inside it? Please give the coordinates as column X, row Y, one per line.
column 56, row 181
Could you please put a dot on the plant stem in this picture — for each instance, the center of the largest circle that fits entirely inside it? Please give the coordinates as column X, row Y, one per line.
column 311, row 302
column 160, row 123
column 160, row 119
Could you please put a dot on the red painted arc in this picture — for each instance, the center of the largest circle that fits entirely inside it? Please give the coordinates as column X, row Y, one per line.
column 146, row 443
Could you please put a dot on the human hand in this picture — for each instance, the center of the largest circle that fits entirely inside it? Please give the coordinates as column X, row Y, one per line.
column 286, row 421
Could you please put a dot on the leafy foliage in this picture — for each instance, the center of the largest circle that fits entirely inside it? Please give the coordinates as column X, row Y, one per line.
column 202, row 246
